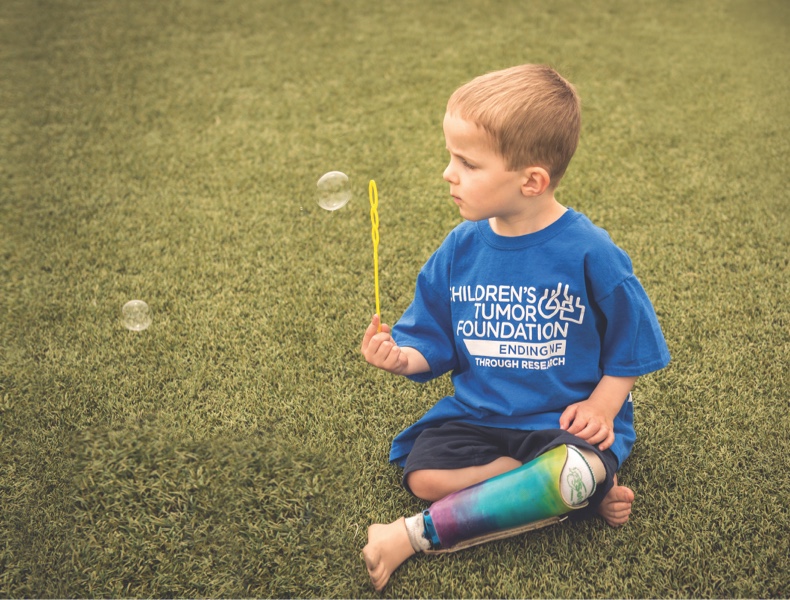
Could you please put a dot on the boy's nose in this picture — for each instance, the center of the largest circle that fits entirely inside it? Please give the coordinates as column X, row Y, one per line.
column 448, row 174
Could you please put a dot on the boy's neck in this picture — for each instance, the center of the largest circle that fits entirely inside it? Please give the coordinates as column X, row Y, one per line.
column 539, row 213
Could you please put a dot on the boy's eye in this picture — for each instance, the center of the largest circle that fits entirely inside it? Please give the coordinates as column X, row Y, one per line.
column 468, row 165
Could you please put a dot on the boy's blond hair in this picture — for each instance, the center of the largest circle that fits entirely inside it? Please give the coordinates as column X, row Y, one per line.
column 531, row 112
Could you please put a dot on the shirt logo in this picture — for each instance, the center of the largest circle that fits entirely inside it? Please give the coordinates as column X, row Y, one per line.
column 516, row 326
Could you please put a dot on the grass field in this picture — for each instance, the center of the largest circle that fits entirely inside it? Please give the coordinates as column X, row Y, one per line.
column 168, row 151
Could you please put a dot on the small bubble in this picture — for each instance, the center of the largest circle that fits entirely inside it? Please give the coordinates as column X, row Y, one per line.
column 136, row 315
column 334, row 190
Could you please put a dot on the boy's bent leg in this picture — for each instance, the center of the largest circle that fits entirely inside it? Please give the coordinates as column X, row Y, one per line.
column 535, row 494
column 435, row 484
column 531, row 496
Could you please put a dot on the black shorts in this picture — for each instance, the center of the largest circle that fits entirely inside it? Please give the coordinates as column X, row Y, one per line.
column 457, row 445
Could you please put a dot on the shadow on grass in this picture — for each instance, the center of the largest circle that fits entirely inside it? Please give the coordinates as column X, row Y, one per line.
column 147, row 512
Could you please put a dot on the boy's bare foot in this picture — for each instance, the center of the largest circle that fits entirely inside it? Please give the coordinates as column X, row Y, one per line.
column 616, row 505
column 388, row 547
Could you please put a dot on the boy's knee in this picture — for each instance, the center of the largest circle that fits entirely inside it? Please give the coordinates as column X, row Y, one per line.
column 424, row 485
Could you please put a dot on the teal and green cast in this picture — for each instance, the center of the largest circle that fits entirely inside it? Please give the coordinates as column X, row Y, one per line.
column 514, row 499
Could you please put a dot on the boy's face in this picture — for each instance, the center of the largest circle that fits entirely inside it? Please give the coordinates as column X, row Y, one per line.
column 480, row 183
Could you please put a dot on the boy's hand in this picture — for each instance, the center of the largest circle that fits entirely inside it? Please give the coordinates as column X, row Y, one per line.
column 593, row 419
column 381, row 351
column 586, row 420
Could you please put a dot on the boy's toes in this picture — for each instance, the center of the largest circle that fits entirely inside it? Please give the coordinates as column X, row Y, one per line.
column 616, row 506
column 618, row 515
column 376, row 568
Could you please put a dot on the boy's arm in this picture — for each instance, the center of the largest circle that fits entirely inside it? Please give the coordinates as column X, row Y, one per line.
column 381, row 351
column 593, row 419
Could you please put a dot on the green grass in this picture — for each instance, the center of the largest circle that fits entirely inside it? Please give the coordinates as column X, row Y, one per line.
column 238, row 447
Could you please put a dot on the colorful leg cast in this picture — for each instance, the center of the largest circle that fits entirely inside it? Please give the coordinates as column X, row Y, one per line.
column 525, row 498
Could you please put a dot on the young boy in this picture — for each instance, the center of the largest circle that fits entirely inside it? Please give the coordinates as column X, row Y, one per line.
column 541, row 321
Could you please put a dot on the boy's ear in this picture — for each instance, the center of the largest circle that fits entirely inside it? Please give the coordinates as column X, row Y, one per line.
column 536, row 181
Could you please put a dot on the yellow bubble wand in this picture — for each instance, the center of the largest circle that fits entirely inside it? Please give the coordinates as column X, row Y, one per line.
column 373, row 194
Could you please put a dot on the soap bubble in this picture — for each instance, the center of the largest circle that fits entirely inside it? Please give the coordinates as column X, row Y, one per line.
column 136, row 315
column 333, row 190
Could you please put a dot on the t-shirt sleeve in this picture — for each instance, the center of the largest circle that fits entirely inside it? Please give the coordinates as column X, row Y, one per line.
column 427, row 323
column 633, row 343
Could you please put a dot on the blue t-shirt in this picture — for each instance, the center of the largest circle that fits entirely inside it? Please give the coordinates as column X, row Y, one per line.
column 528, row 325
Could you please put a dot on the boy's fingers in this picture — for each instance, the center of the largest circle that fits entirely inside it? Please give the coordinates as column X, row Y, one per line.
column 393, row 356
column 591, row 430
column 366, row 338
column 371, row 330
column 597, row 435
column 567, row 416
column 579, row 429
column 606, row 443
column 380, row 349
column 577, row 426
column 377, row 323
